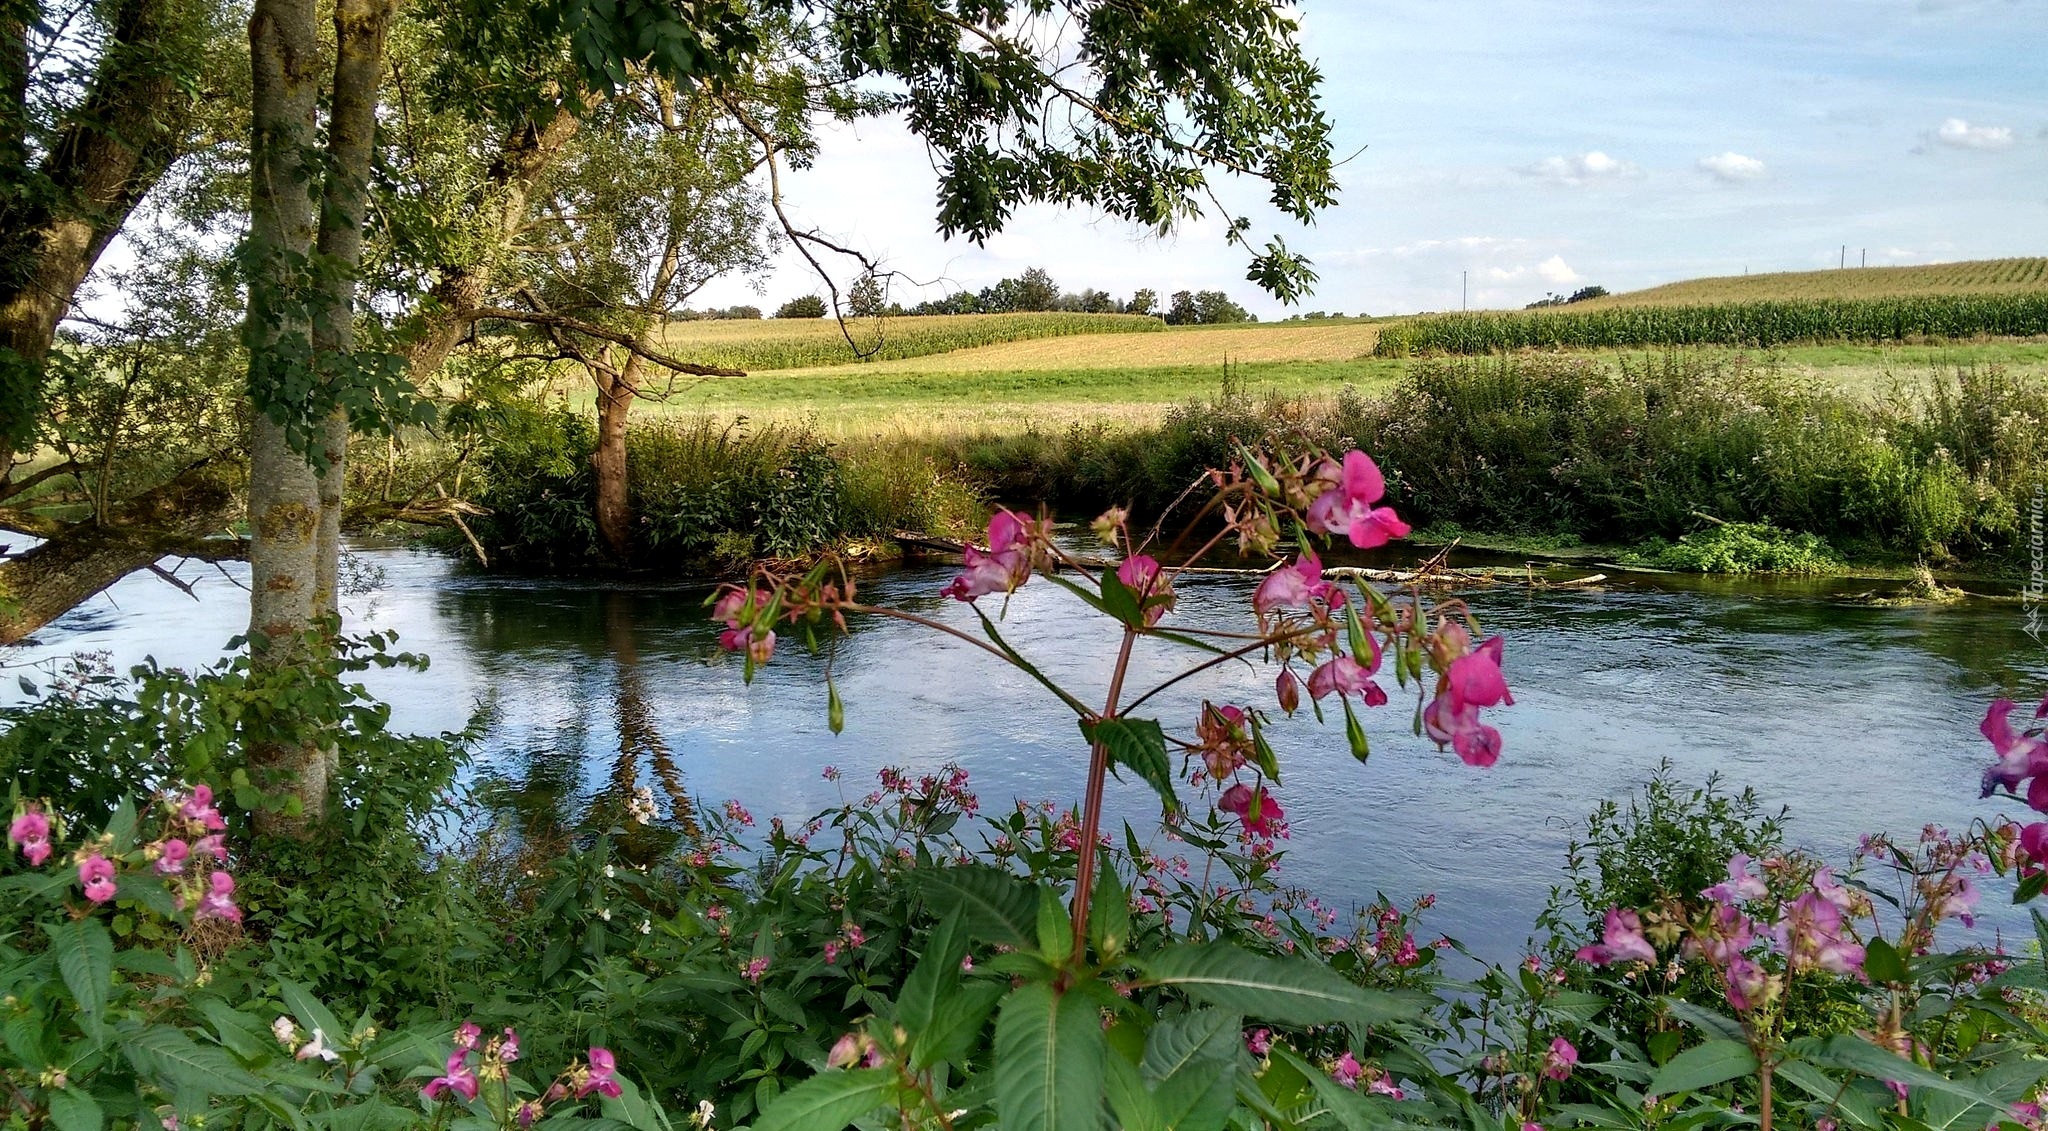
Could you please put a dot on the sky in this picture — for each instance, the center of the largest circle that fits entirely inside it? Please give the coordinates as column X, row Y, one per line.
column 1539, row 146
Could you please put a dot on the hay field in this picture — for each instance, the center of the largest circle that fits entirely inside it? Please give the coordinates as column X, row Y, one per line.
column 1970, row 277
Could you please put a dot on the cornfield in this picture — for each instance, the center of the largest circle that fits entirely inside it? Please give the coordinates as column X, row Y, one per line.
column 1730, row 324
column 798, row 344
column 1981, row 276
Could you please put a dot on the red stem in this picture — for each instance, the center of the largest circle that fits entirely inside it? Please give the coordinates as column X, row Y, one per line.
column 1091, row 812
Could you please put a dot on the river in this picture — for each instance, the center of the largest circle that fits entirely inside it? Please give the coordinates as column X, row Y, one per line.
column 1858, row 718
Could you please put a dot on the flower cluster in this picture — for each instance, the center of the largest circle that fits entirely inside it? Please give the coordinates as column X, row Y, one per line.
column 1005, row 565
column 191, row 834
column 1809, row 927
column 2022, row 755
column 1468, row 678
column 463, row 1080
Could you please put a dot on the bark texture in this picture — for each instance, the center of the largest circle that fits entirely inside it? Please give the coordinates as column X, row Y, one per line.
column 56, row 219
column 81, row 559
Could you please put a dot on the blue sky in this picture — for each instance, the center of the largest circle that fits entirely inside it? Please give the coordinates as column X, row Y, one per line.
column 1541, row 145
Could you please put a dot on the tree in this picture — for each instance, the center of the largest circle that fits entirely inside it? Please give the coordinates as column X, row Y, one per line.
column 1214, row 308
column 1182, row 311
column 1143, row 301
column 1035, row 290
column 866, row 298
column 805, row 306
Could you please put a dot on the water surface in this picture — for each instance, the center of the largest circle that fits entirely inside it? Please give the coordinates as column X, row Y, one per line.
column 1858, row 718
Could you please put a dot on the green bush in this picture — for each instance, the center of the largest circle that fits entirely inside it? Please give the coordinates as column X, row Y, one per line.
column 1738, row 547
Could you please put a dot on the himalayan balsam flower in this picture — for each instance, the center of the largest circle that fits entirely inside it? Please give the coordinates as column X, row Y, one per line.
column 1742, row 883
column 316, row 1049
column 171, row 857
column 1810, row 936
column 598, row 1076
column 1295, row 587
column 739, row 609
column 219, row 900
column 1346, row 506
column 1344, row 675
column 1262, row 816
column 1260, row 1042
column 755, row 968
column 31, row 831
column 459, row 1080
column 1002, row 568
column 199, row 809
column 1749, row 987
column 1623, row 941
column 1559, row 1060
column 1287, row 691
column 96, row 876
column 1140, row 574
column 1347, row 1070
column 1469, row 682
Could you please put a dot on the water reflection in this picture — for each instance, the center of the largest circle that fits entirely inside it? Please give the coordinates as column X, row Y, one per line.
column 1859, row 718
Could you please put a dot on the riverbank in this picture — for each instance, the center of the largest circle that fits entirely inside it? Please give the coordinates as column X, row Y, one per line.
column 1717, row 462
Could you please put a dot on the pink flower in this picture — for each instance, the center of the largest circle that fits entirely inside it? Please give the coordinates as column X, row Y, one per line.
column 529, row 1113
column 1469, row 682
column 734, row 811
column 1346, row 507
column 1260, row 1042
column 199, row 809
column 758, row 646
column 171, row 860
column 460, row 1079
column 755, row 968
column 832, row 949
column 1726, row 935
column 1383, row 1085
column 219, row 900
column 2019, row 756
column 508, row 1047
column 1346, row 676
column 96, row 875
column 1560, row 1059
column 1004, row 566
column 212, row 846
column 1296, row 586
column 1957, row 899
column 1140, row 573
column 1742, row 884
column 1262, row 816
column 740, row 609
column 598, row 1077
column 1748, row 986
column 1623, row 941
column 2034, row 841
column 1347, row 1070
column 31, row 831
column 1810, row 936
column 1224, row 740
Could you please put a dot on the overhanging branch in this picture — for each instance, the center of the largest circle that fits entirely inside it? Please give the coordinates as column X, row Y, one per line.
column 591, row 329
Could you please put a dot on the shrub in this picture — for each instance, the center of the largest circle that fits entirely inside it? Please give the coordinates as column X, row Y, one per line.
column 806, row 306
column 1738, row 547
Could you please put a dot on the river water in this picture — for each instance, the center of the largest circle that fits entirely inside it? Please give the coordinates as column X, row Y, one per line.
column 1858, row 718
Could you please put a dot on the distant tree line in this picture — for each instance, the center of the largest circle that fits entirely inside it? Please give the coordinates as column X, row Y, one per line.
column 1580, row 295
column 1034, row 290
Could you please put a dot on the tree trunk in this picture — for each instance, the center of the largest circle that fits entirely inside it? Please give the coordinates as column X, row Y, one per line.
column 294, row 321
column 84, row 558
column 615, row 394
column 56, row 220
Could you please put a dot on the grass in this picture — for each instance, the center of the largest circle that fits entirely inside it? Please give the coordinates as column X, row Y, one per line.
column 1981, row 276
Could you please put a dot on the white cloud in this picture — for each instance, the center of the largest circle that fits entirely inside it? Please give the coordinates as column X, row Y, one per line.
column 1959, row 134
column 1556, row 271
column 1580, row 168
column 1732, row 168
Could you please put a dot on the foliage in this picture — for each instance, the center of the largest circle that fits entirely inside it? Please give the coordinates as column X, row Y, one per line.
column 1758, row 323
column 805, row 306
column 1980, row 276
column 1738, row 547
column 1204, row 308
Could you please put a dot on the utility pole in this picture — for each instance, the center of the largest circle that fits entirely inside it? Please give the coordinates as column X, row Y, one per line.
column 1866, row 258
column 1464, row 293
column 1845, row 258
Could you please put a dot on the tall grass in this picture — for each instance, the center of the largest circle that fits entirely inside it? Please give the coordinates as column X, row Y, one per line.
column 803, row 343
column 1766, row 323
column 1975, row 276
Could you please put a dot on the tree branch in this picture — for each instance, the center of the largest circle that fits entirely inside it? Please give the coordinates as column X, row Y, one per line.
column 591, row 329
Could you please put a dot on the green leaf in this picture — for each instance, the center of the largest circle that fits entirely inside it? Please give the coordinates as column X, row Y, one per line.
column 188, row 1064
column 633, row 1108
column 1290, row 991
column 310, row 1013
column 73, row 1110
column 85, row 957
column 1121, row 601
column 1705, row 1020
column 1055, row 927
column 1049, row 1055
column 1882, row 962
column 1141, row 745
column 1853, row 1054
column 1703, row 1066
column 1838, row 1096
column 828, row 1101
column 988, row 628
column 1262, row 751
column 937, row 971
column 950, row 1038
column 995, row 906
column 1129, row 1100
column 1109, row 912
